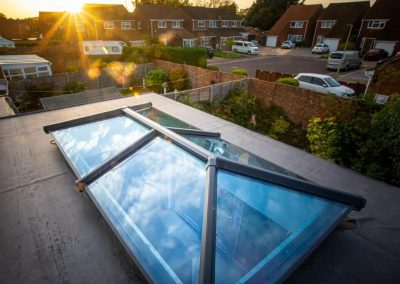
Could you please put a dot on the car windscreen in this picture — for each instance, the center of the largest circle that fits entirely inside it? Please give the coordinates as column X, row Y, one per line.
column 336, row 55
column 332, row 82
column 252, row 44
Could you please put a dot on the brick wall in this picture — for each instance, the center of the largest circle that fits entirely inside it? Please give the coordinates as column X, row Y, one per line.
column 299, row 104
column 199, row 77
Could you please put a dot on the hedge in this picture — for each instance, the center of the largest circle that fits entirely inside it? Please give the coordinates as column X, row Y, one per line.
column 288, row 81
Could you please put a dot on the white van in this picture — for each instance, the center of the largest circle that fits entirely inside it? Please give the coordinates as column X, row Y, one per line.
column 346, row 59
column 245, row 47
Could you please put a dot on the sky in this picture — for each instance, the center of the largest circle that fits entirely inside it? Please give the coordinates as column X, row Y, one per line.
column 31, row 8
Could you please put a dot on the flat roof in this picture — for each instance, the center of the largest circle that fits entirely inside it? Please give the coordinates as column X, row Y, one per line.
column 21, row 59
column 50, row 232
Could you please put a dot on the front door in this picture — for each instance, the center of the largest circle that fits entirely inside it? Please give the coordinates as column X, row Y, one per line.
column 213, row 43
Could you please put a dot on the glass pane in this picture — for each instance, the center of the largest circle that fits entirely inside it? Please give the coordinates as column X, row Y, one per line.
column 154, row 200
column 262, row 229
column 232, row 152
column 89, row 145
column 164, row 119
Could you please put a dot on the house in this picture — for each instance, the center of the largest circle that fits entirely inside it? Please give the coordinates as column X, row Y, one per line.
column 296, row 24
column 108, row 22
column 58, row 26
column 337, row 21
column 17, row 67
column 213, row 26
column 6, row 43
column 102, row 47
column 380, row 27
column 18, row 28
column 164, row 22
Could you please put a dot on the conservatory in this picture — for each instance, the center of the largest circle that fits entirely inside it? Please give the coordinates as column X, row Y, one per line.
column 190, row 208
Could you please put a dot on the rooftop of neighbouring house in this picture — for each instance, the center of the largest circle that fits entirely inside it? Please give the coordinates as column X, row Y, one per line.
column 52, row 233
column 21, row 59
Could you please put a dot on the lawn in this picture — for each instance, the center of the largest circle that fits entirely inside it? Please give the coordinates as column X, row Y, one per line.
column 229, row 55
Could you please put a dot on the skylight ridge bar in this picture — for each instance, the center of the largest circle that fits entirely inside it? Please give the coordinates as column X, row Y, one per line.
column 189, row 146
column 115, row 160
column 141, row 106
column 194, row 132
column 209, row 226
column 356, row 201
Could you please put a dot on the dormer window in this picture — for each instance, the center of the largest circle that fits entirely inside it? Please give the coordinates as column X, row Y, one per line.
column 224, row 24
column 201, row 24
column 213, row 24
column 176, row 24
column 327, row 24
column 376, row 24
column 108, row 25
column 296, row 24
column 162, row 24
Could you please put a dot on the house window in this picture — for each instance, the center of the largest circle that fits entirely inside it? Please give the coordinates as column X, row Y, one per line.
column 188, row 42
column 108, row 25
column 176, row 24
column 296, row 24
column 205, row 40
column 213, row 24
column 224, row 24
column 294, row 38
column 320, row 39
column 327, row 24
column 162, row 24
column 139, row 25
column 115, row 49
column 201, row 24
column 234, row 24
column 376, row 24
column 126, row 26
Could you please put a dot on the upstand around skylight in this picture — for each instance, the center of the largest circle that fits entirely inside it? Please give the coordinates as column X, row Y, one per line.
column 186, row 215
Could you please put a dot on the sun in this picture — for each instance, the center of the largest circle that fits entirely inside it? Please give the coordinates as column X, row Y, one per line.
column 73, row 6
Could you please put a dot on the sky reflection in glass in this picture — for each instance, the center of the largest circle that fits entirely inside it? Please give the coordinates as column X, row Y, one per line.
column 260, row 223
column 89, row 145
column 164, row 119
column 155, row 201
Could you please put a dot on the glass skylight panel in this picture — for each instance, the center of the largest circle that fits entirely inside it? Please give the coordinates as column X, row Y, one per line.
column 89, row 145
column 154, row 200
column 220, row 147
column 263, row 229
column 164, row 119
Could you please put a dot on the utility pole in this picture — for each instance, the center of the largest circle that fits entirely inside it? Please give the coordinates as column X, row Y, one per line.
column 344, row 50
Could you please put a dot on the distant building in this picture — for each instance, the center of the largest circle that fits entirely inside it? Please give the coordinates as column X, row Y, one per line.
column 296, row 24
column 337, row 20
column 6, row 43
column 18, row 67
column 100, row 47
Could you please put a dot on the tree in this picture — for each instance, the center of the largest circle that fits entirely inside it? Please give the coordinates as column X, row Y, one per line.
column 174, row 3
column 263, row 14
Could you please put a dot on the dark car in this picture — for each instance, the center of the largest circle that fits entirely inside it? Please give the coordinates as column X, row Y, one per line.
column 376, row 54
column 210, row 51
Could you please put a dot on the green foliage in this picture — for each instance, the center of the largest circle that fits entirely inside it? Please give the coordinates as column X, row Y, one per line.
column 263, row 14
column 288, row 81
column 324, row 137
column 350, row 46
column 179, row 79
column 213, row 67
column 155, row 79
column 242, row 72
column 229, row 55
column 388, row 74
column 279, row 127
column 71, row 69
column 74, row 87
column 229, row 42
column 240, row 105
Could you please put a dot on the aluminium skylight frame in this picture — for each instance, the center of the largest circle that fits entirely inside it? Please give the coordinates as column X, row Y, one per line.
column 214, row 163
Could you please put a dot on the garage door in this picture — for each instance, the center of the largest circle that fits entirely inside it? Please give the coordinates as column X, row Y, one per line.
column 271, row 41
column 333, row 43
column 388, row 46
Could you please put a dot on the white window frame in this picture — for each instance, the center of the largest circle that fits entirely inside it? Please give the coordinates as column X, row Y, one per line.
column 125, row 25
column 327, row 24
column 296, row 24
column 109, row 25
column 224, row 24
column 201, row 24
column 176, row 24
column 192, row 43
column 376, row 24
column 234, row 24
column 162, row 24
column 212, row 24
column 295, row 38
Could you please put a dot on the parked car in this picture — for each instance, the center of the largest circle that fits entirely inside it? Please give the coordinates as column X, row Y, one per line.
column 320, row 48
column 288, row 44
column 245, row 47
column 324, row 84
column 344, row 60
column 255, row 42
column 209, row 50
column 376, row 54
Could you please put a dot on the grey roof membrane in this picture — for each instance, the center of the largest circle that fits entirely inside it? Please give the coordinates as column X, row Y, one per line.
column 49, row 232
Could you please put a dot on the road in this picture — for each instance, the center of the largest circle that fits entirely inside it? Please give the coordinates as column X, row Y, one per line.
column 285, row 64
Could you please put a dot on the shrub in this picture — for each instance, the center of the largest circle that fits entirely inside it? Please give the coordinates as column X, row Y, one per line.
column 324, row 138
column 350, row 46
column 74, row 87
column 279, row 127
column 242, row 72
column 213, row 67
column 179, row 79
column 240, row 106
column 155, row 79
column 229, row 55
column 71, row 69
column 229, row 42
column 288, row 81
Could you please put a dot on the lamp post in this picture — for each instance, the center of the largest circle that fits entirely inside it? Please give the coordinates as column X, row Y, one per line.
column 344, row 50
